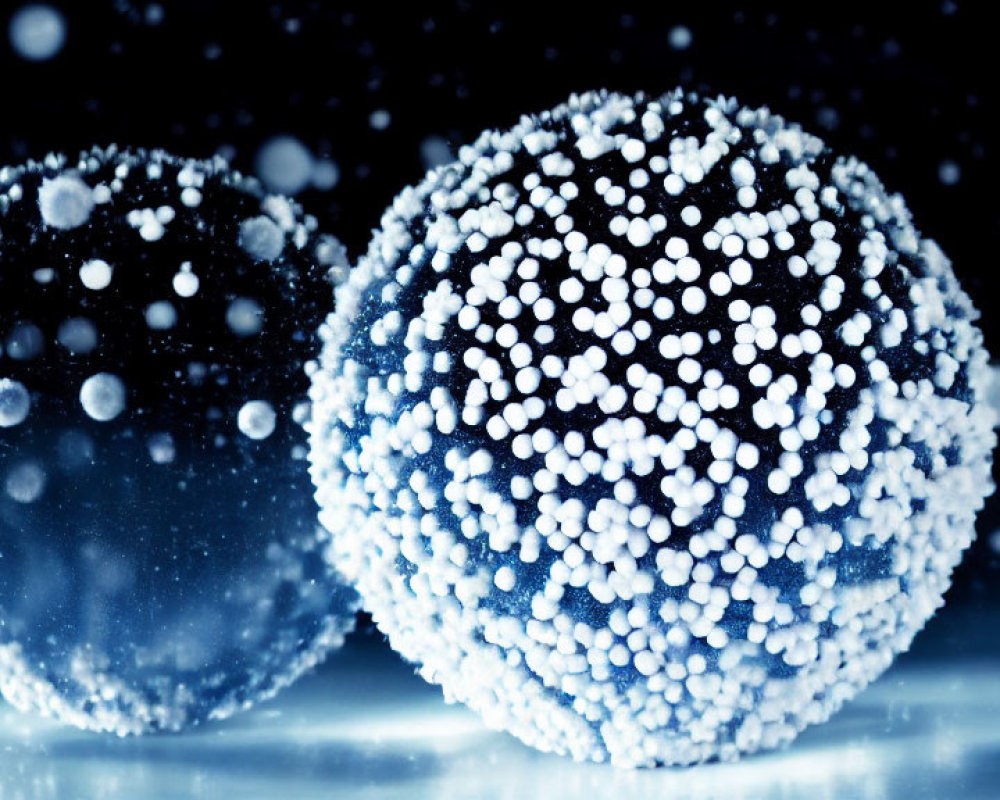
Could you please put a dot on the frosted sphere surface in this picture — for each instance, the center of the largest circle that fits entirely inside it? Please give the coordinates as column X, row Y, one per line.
column 650, row 428
column 161, row 560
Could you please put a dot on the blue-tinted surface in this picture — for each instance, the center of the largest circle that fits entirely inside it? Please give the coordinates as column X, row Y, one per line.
column 908, row 89
column 365, row 726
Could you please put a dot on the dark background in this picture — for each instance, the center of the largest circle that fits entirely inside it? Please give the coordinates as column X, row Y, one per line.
column 907, row 87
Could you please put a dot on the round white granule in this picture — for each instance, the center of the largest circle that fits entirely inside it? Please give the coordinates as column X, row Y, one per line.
column 949, row 172
column 65, row 202
column 161, row 448
column 103, row 396
column 186, row 283
column 78, row 335
column 380, row 119
column 690, row 215
column 284, row 164
column 256, row 419
column 15, row 403
column 742, row 172
column 37, row 32
column 96, row 274
column 680, row 37
column 261, row 238
column 161, row 315
column 245, row 316
column 505, row 579
column 693, row 300
column 26, row 482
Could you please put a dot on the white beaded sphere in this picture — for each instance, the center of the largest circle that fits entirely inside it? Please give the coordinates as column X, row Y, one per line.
column 650, row 429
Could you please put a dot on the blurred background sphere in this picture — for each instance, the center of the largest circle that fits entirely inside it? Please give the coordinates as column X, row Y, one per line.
column 160, row 562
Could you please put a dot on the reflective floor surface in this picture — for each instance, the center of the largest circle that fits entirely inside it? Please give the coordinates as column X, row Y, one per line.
column 365, row 726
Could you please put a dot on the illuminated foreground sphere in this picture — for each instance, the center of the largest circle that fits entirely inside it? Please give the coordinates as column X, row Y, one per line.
column 650, row 429
column 160, row 560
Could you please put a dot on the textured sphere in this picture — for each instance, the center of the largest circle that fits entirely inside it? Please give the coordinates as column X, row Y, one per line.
column 651, row 429
column 160, row 560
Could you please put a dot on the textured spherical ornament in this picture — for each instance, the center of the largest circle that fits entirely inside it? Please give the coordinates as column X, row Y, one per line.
column 160, row 560
column 651, row 429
